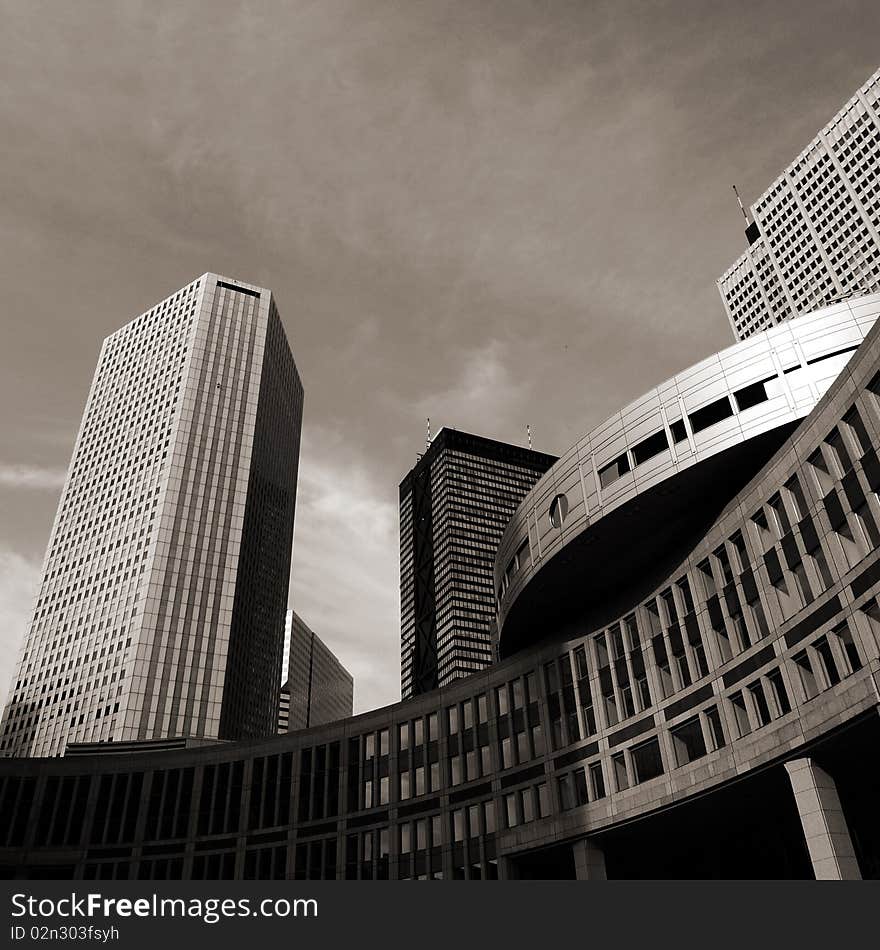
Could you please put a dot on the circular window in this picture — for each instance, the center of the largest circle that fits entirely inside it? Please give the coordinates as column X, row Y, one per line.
column 558, row 510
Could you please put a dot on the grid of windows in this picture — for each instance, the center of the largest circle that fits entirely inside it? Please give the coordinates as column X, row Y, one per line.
column 816, row 231
column 475, row 485
column 133, row 618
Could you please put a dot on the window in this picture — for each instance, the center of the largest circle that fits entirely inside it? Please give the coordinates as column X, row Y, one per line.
column 648, row 448
column 614, row 470
column 713, row 718
column 826, row 658
column 510, row 810
column 710, row 415
column 678, row 430
column 688, row 742
column 752, row 395
column 558, row 510
column 858, row 430
column 597, row 780
column 834, row 440
column 757, row 691
column 845, row 639
column 458, row 825
column 618, row 765
column 646, row 759
column 489, row 817
column 806, row 674
column 737, row 700
column 780, row 694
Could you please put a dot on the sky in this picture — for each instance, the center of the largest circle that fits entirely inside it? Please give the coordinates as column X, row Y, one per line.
column 493, row 214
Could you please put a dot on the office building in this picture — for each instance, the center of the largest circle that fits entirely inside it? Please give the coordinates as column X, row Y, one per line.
column 454, row 506
column 688, row 682
column 814, row 234
column 161, row 599
column 316, row 687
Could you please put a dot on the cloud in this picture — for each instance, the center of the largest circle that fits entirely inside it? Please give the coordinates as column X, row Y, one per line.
column 484, row 396
column 18, row 581
column 31, row 476
column 345, row 568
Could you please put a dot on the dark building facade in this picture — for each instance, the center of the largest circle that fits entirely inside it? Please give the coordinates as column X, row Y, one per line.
column 714, row 714
column 317, row 689
column 454, row 505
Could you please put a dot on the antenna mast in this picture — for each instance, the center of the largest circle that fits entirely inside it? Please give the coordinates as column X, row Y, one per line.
column 739, row 202
column 529, row 434
column 428, row 434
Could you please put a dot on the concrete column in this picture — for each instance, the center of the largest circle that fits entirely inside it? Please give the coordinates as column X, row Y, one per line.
column 589, row 861
column 827, row 835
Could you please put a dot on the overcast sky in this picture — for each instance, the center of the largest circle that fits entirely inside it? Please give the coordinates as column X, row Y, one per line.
column 492, row 213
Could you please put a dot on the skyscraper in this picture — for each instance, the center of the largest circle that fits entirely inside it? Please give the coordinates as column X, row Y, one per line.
column 315, row 687
column 454, row 506
column 815, row 232
column 161, row 601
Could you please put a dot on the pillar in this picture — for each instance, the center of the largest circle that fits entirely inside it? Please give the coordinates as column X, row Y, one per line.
column 827, row 835
column 589, row 861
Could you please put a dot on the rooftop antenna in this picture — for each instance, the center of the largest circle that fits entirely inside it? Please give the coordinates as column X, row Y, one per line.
column 428, row 434
column 739, row 202
column 529, row 434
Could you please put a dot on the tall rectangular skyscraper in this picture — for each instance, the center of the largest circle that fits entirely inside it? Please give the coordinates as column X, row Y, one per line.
column 815, row 232
column 160, row 608
column 316, row 687
column 454, row 506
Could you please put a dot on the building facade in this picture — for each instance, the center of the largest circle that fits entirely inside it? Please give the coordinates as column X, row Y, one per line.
column 316, row 687
column 815, row 232
column 454, row 506
column 714, row 714
column 163, row 589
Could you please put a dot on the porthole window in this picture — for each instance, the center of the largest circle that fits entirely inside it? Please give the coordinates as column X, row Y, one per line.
column 558, row 510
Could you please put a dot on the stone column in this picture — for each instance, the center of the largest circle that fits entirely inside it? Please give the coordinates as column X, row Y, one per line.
column 827, row 835
column 589, row 861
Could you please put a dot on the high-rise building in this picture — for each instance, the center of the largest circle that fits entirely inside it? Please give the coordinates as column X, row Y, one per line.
column 162, row 595
column 454, row 506
column 316, row 688
column 814, row 234
column 689, row 631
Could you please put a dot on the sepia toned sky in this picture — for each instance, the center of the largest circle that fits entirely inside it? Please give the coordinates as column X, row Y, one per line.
column 492, row 213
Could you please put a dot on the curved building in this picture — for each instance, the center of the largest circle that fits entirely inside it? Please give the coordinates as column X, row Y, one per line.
column 690, row 641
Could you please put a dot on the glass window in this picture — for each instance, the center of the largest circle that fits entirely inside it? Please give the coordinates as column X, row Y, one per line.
column 597, row 781
column 510, row 810
column 421, row 834
column 489, row 817
column 647, row 761
column 458, row 825
column 474, row 820
column 618, row 763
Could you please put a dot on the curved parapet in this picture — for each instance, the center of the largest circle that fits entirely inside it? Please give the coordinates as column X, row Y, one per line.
column 632, row 495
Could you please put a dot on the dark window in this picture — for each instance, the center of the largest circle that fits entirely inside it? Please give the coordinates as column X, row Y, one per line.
column 648, row 448
column 678, row 430
column 688, row 742
column 710, row 415
column 750, row 396
column 647, row 763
